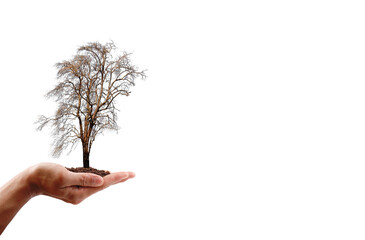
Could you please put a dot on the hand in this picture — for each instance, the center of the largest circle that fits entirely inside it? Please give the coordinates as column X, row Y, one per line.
column 52, row 180
column 56, row 181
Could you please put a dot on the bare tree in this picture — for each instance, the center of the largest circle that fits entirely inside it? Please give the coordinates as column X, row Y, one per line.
column 87, row 87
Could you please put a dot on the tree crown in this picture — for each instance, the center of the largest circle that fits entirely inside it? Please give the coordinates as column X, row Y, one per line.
column 87, row 87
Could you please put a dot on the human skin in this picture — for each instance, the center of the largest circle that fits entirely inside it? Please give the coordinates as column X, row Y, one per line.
column 52, row 180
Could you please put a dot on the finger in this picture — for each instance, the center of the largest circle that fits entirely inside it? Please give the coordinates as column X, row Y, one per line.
column 131, row 174
column 111, row 179
column 83, row 179
column 76, row 195
column 115, row 178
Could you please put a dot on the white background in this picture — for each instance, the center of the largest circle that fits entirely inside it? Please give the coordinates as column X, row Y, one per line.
column 250, row 125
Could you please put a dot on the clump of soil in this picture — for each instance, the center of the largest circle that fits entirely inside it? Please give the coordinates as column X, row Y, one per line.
column 89, row 170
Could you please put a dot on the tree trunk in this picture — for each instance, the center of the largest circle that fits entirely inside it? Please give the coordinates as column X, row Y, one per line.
column 86, row 159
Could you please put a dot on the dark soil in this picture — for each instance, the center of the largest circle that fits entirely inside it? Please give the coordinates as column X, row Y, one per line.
column 89, row 170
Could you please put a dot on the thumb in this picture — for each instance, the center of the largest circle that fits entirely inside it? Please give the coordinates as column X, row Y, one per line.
column 85, row 180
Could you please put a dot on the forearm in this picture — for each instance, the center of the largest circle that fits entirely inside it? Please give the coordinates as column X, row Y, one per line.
column 13, row 196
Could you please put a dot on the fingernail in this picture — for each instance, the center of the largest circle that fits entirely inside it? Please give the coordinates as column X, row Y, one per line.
column 131, row 174
column 124, row 176
column 97, row 180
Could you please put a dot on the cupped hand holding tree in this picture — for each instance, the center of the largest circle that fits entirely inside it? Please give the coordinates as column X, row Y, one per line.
column 87, row 87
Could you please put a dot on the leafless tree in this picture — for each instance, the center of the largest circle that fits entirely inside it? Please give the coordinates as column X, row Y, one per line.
column 87, row 87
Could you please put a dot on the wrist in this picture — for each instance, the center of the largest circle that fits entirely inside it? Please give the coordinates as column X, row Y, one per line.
column 31, row 181
column 13, row 195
